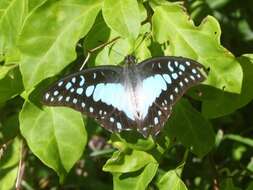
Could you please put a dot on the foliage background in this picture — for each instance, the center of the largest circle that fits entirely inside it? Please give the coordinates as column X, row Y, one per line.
column 206, row 143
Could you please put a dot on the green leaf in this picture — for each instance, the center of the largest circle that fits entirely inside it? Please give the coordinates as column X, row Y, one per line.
column 217, row 103
column 228, row 184
column 123, row 16
column 191, row 128
column 55, row 135
column 128, row 161
column 49, row 46
column 201, row 43
column 171, row 180
column 138, row 180
column 11, row 85
column 12, row 15
column 133, row 141
column 9, row 164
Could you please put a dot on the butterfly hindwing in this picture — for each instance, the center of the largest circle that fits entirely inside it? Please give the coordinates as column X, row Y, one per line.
column 133, row 96
column 95, row 92
column 171, row 77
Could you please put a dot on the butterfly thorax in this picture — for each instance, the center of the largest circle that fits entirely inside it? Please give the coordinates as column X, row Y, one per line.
column 132, row 82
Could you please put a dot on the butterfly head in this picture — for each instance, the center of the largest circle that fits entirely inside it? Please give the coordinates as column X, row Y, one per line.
column 130, row 60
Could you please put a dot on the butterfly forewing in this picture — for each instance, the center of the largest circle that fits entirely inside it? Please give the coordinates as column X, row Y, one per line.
column 171, row 77
column 96, row 92
column 134, row 96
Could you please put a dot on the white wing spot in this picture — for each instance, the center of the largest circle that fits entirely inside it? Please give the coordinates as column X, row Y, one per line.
column 156, row 120
column 180, row 73
column 68, row 85
column 186, row 80
column 82, row 80
column 188, row 63
column 167, row 78
column 198, row 75
column 119, row 126
column 181, row 67
column 165, row 101
column 67, row 98
column 159, row 65
column 105, row 112
column 83, row 104
column 170, row 68
column 89, row 90
column 91, row 109
column 79, row 91
column 73, row 79
column 100, row 112
column 94, row 75
column 159, row 112
column 192, row 77
column 74, row 100
column 60, row 98
column 176, row 90
column 111, row 119
column 171, row 97
column 72, row 90
column 181, row 84
column 176, row 63
column 174, row 75
column 52, row 99
column 60, row 83
column 47, row 96
column 194, row 71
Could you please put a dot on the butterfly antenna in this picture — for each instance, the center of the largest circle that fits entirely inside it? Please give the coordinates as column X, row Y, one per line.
column 95, row 49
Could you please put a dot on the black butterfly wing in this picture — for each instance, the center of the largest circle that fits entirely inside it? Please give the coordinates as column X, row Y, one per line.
column 171, row 77
column 96, row 92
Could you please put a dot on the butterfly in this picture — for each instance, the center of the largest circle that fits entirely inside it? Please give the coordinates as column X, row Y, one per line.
column 133, row 96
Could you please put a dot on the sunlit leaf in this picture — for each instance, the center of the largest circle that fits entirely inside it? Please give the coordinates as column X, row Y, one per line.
column 128, row 161
column 171, row 180
column 49, row 46
column 201, row 43
column 123, row 16
column 55, row 135
column 217, row 103
column 138, row 180
column 12, row 15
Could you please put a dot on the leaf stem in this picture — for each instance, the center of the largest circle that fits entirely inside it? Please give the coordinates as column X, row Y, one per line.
column 97, row 48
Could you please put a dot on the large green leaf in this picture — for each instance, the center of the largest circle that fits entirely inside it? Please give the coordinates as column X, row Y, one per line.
column 202, row 43
column 9, row 164
column 48, row 45
column 12, row 15
column 123, row 16
column 55, row 135
column 11, row 85
column 171, row 180
column 138, row 180
column 191, row 128
column 217, row 103
column 128, row 161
